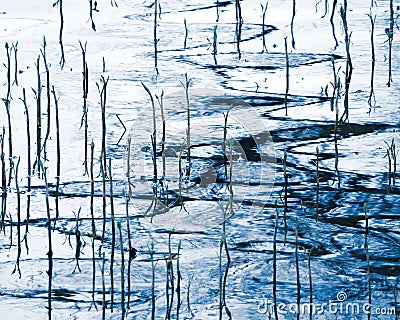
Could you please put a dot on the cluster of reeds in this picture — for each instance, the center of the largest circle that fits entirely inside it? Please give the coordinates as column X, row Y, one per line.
column 391, row 155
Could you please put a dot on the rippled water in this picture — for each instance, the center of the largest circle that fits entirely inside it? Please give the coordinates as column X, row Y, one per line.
column 249, row 82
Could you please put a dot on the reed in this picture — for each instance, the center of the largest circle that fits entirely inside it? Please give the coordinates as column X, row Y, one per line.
column 50, row 245
column 103, row 285
column 93, row 303
column 292, row 23
column 349, row 64
column 48, row 97
column 186, row 88
column 38, row 98
column 153, row 139
column 186, row 33
column 122, row 271
column 112, row 234
column 367, row 258
column 85, row 89
column 3, row 180
column 274, row 264
column 59, row 3
column 178, row 281
column 317, row 185
column 238, row 36
column 390, row 32
column 103, row 157
column 190, row 279
column 58, row 151
column 161, row 104
column 78, row 241
column 215, row 44
column 170, row 283
column 29, row 168
column 310, row 282
column 287, row 77
column 155, row 40
column 334, row 4
column 335, row 104
column 7, row 102
column 18, row 192
column 296, row 253
column 391, row 154
column 285, row 188
column 14, row 47
column 264, row 11
column 371, row 98
column 92, row 8
column 153, row 279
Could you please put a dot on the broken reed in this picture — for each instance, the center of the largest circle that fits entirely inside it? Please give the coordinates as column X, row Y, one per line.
column 186, row 88
column 264, row 11
column 296, row 230
column 170, row 283
column 335, row 105
column 3, row 180
column 155, row 34
column 292, row 23
column 153, row 279
column 334, row 4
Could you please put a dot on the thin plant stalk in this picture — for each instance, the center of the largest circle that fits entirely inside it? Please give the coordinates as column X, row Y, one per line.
column 297, row 269
column 122, row 271
column 264, row 11
column 367, row 257
column 317, row 183
column 372, row 93
column 153, row 279
column 113, row 235
column 58, row 148
column 3, row 181
column 287, row 77
column 155, row 35
column 85, row 89
column 29, row 173
column 93, row 303
column 60, row 36
column 15, row 47
column 310, row 282
column 274, row 262
column 38, row 98
column 390, row 32
column 333, row 24
column 7, row 102
column 46, row 67
column 292, row 23
column 349, row 64
column 17, row 267
column 178, row 280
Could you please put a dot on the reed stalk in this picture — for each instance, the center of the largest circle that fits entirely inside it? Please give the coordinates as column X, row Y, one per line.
column 186, row 33
column 85, row 89
column 292, row 23
column 390, row 33
column 367, row 258
column 155, row 35
column 161, row 104
column 153, row 279
column 92, row 8
column 349, row 64
column 274, row 264
column 29, row 173
column 38, row 98
column 264, row 11
column 15, row 49
column 113, row 235
column 297, row 268
column 170, row 285
column 46, row 67
column 287, row 77
column 372, row 93
column 285, row 186
column 58, row 151
column 317, row 183
column 310, row 282
column 178, row 280
column 103, row 285
column 122, row 271
column 59, row 3
column 103, row 157
column 17, row 267
column 333, row 24
column 7, row 102
column 93, row 303
column 78, row 241
column 186, row 88
column 3, row 181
